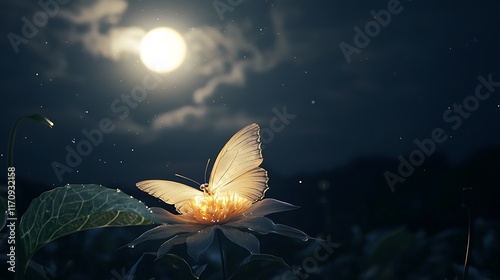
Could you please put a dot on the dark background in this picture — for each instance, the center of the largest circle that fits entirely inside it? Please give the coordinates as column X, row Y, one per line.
column 352, row 123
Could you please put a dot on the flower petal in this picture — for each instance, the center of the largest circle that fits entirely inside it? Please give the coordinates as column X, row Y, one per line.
column 243, row 239
column 292, row 232
column 268, row 206
column 167, row 245
column 265, row 225
column 164, row 231
column 199, row 242
column 165, row 217
column 258, row 224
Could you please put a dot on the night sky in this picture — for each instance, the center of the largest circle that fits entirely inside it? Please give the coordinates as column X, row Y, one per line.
column 323, row 94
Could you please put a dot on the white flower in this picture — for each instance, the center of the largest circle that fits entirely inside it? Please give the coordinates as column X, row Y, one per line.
column 233, row 215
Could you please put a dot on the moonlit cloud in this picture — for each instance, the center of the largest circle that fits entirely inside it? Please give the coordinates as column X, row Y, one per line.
column 126, row 40
column 178, row 117
column 108, row 11
column 114, row 41
column 113, row 45
column 226, row 57
column 128, row 126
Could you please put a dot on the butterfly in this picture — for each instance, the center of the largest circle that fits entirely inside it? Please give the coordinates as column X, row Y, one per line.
column 236, row 170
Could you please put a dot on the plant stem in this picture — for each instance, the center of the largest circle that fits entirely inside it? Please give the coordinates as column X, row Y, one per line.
column 468, row 201
column 36, row 117
column 21, row 259
column 221, row 255
column 466, row 262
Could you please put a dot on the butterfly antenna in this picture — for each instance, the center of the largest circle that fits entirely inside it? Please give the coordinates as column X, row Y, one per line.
column 206, row 168
column 189, row 179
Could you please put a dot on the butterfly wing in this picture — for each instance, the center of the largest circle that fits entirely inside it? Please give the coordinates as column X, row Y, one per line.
column 236, row 168
column 170, row 192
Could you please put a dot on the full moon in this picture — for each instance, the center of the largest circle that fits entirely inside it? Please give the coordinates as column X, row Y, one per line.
column 162, row 50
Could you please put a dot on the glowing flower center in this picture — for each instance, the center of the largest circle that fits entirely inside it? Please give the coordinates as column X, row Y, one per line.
column 215, row 208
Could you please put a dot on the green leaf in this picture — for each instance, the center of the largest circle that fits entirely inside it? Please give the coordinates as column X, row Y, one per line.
column 74, row 208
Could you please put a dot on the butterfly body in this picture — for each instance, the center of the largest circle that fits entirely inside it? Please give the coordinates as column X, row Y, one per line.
column 205, row 189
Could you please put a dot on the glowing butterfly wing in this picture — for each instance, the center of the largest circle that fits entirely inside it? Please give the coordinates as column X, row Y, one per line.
column 170, row 192
column 236, row 168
